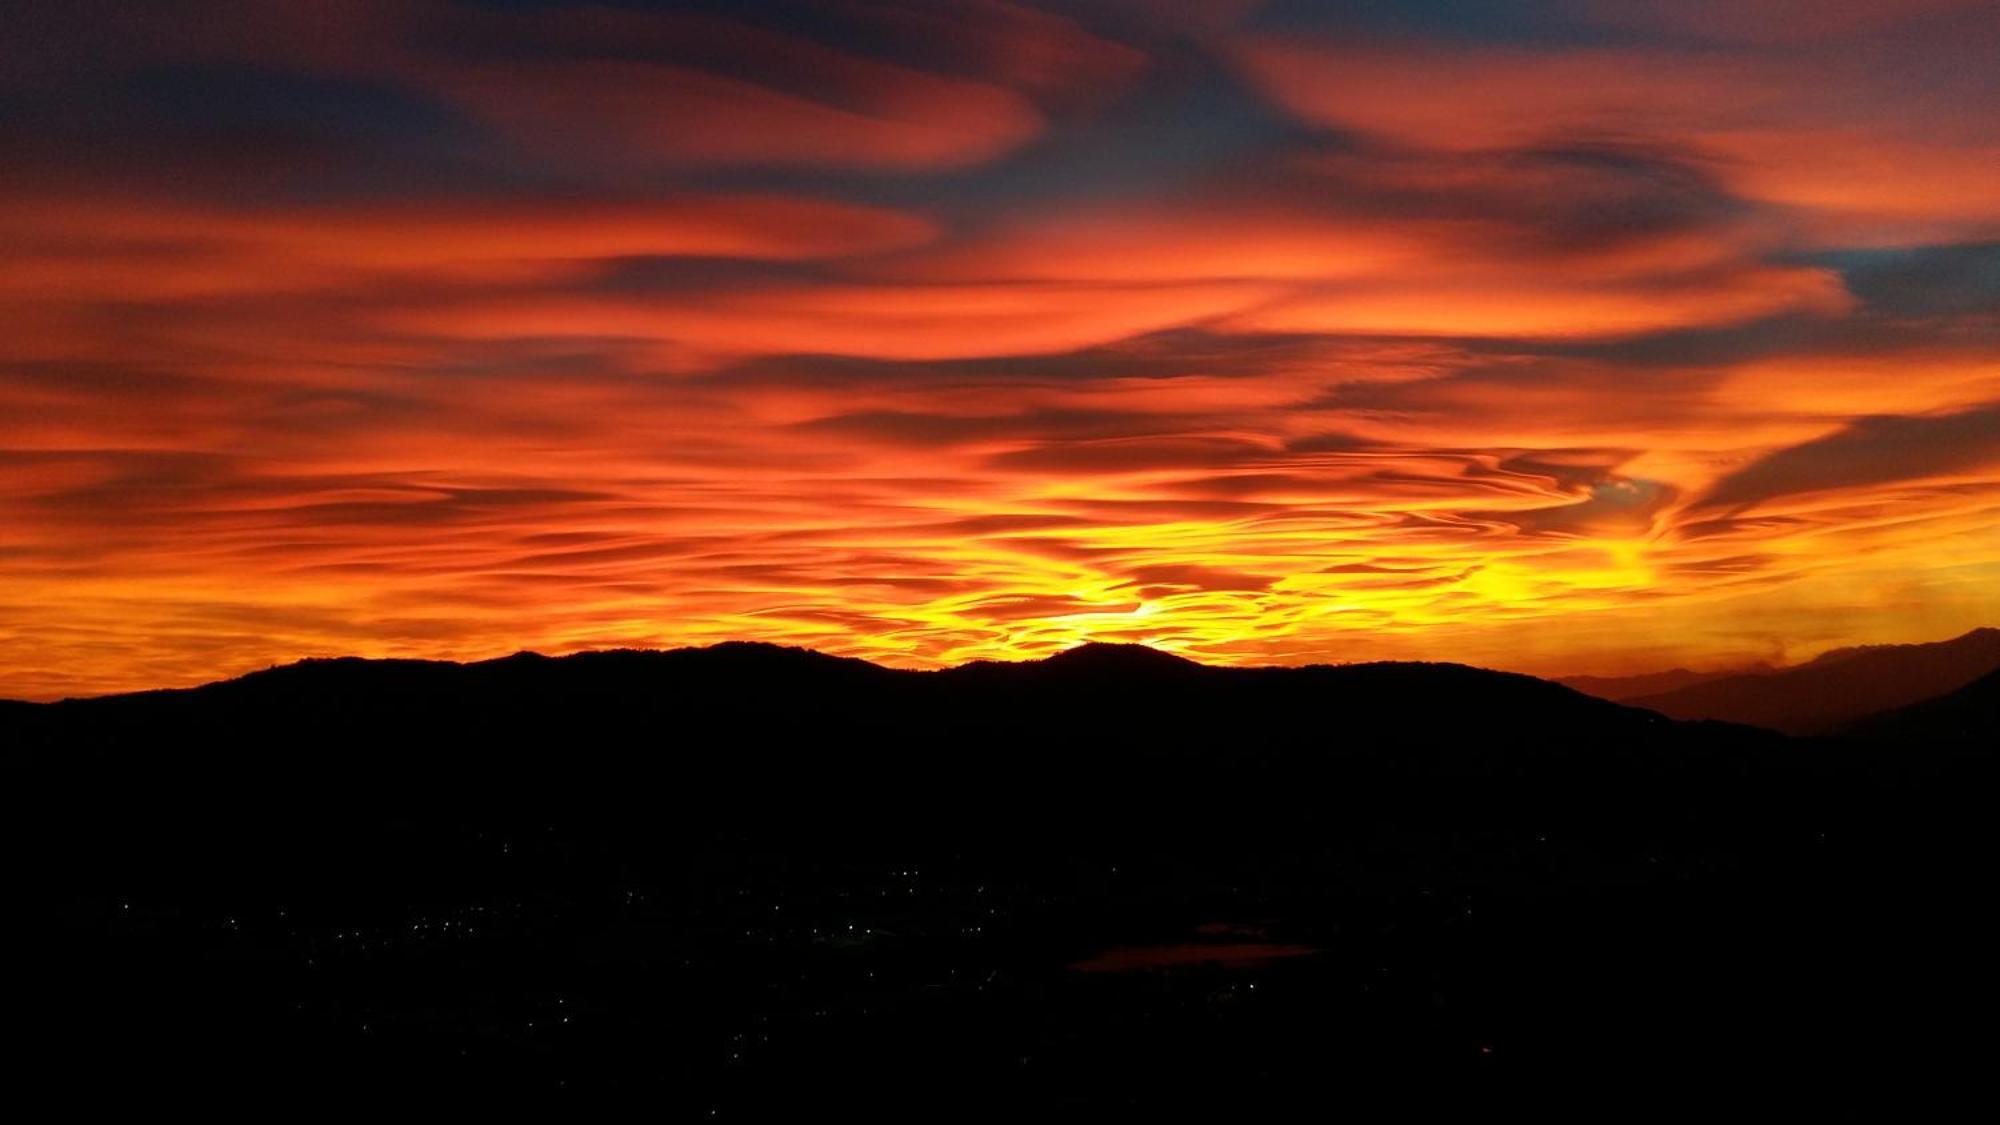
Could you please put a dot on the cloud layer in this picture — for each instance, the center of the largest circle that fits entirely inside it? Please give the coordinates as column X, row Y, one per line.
column 1590, row 338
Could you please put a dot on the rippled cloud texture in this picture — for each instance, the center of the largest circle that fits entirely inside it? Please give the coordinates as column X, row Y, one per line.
column 1558, row 335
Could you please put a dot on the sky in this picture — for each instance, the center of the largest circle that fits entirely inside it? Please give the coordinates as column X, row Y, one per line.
column 1557, row 335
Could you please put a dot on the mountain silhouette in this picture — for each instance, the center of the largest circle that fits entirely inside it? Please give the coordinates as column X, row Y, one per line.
column 763, row 879
column 1838, row 687
column 1119, row 695
column 1098, row 657
column 1619, row 689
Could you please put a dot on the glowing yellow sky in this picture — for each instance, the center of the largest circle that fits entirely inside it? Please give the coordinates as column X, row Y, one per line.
column 1604, row 342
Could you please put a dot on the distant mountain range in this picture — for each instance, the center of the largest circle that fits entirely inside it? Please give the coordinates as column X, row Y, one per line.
column 1088, row 685
column 1621, row 688
column 1835, row 690
column 1114, row 694
column 745, row 732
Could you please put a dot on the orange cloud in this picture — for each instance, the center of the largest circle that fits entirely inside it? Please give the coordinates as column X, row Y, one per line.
column 137, row 249
column 892, row 322
column 1501, row 305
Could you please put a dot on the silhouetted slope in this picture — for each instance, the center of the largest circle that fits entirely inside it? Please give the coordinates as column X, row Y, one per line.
column 737, row 664
column 17, row 720
column 1969, row 715
column 1100, row 658
column 1838, row 687
column 766, row 881
column 1115, row 698
column 1621, row 689
column 772, row 734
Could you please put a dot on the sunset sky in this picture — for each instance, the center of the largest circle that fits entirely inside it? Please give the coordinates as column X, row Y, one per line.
column 1554, row 335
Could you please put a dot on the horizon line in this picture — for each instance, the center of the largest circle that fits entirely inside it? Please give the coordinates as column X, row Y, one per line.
column 1081, row 646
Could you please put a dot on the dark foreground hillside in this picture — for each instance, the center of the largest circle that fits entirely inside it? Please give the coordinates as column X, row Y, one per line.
column 1969, row 716
column 747, row 881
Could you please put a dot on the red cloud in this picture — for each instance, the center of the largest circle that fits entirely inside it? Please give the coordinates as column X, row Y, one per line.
column 890, row 322
column 136, row 248
column 1876, row 139
column 645, row 114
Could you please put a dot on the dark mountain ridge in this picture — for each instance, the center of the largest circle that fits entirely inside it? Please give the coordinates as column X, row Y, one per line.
column 1114, row 697
column 764, row 880
column 1618, row 689
column 737, row 659
column 1838, row 688
column 1828, row 693
column 1970, row 715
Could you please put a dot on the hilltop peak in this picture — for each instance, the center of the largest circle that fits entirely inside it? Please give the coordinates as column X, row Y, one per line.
column 1108, row 656
column 1985, row 638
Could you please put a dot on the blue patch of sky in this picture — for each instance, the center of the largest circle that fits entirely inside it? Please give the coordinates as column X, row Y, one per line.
column 1919, row 281
column 1525, row 22
column 350, row 138
column 1187, row 120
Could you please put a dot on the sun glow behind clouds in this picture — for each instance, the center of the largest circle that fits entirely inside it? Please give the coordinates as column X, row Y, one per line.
column 1627, row 343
